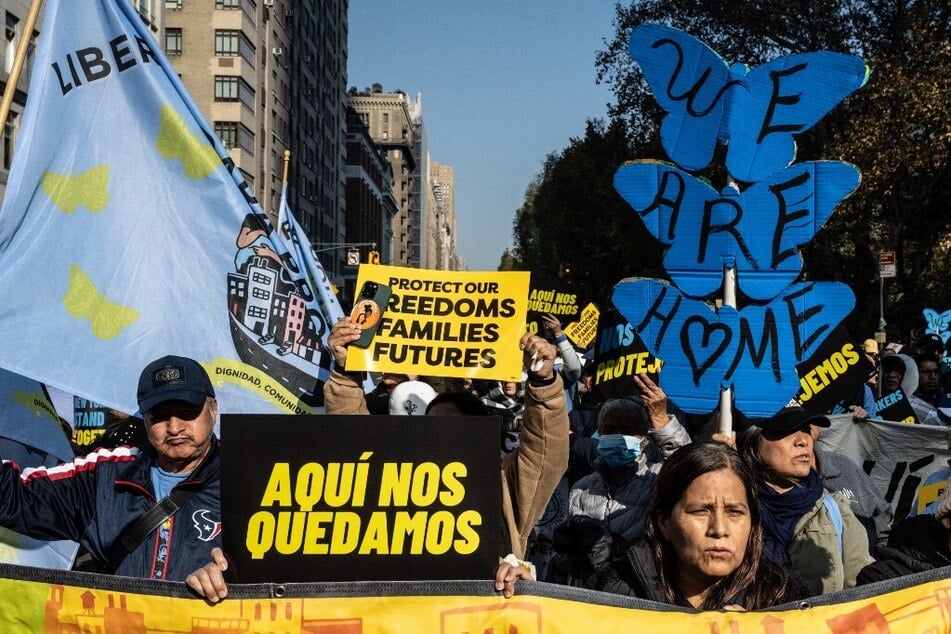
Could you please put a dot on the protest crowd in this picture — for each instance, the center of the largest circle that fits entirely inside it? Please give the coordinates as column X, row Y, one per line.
column 610, row 478
column 660, row 505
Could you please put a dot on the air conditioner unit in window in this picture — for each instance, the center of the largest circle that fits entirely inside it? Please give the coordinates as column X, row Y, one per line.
column 277, row 51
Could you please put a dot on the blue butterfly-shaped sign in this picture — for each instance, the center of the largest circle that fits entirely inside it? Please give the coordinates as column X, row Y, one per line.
column 758, row 231
column 754, row 112
column 755, row 350
column 938, row 323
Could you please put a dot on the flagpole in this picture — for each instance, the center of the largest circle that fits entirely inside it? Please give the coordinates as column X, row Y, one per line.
column 18, row 60
column 729, row 300
column 287, row 162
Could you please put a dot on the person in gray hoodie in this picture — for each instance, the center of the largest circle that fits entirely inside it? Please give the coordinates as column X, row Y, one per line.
column 840, row 474
column 608, row 507
column 901, row 371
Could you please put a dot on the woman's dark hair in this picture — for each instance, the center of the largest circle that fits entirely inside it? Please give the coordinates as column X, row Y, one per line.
column 456, row 404
column 747, row 443
column 757, row 582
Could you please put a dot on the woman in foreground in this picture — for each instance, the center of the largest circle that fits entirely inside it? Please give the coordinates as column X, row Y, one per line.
column 704, row 544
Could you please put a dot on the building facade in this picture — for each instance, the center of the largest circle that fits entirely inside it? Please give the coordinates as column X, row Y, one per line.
column 421, row 201
column 317, row 124
column 270, row 76
column 441, row 237
column 220, row 50
column 387, row 117
column 371, row 205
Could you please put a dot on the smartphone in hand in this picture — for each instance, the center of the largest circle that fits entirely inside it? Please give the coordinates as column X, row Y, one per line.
column 368, row 310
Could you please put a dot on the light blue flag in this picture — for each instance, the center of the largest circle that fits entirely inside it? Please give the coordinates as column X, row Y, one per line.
column 293, row 240
column 31, row 436
column 127, row 234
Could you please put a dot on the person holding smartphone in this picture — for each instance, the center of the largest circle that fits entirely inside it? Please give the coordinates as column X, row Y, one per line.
column 529, row 474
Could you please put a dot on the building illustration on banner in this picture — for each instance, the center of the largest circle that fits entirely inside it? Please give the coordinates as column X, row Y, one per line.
column 273, row 328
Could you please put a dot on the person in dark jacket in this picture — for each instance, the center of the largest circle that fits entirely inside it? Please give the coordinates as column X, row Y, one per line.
column 704, row 544
column 916, row 544
column 94, row 499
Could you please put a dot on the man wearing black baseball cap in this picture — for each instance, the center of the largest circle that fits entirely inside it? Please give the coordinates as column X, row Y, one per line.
column 178, row 403
column 806, row 529
column 150, row 512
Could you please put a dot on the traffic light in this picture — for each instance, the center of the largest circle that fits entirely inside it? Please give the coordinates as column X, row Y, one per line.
column 373, row 257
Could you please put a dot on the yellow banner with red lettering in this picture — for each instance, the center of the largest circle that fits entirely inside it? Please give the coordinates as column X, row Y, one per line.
column 113, row 604
column 439, row 323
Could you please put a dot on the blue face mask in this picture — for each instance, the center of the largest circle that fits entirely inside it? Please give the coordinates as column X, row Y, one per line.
column 618, row 450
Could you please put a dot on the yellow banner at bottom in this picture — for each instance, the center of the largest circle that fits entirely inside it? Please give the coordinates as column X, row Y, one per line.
column 31, row 606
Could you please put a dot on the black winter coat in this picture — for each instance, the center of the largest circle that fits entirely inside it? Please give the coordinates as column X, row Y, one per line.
column 916, row 544
column 634, row 574
column 92, row 500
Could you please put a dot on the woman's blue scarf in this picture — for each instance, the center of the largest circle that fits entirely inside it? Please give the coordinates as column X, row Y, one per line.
column 782, row 511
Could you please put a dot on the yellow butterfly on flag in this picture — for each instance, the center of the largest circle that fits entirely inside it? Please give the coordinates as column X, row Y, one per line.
column 84, row 301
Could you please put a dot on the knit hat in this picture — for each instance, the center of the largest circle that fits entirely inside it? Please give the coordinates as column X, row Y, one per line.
column 410, row 398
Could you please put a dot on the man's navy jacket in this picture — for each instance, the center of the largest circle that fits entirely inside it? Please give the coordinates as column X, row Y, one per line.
column 92, row 499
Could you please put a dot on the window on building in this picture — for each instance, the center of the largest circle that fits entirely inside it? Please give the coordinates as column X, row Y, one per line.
column 9, row 139
column 226, row 43
column 226, row 88
column 173, row 41
column 146, row 9
column 227, row 131
column 227, row 4
column 31, row 54
column 232, row 42
column 11, row 44
column 250, row 9
column 173, row 5
column 246, row 143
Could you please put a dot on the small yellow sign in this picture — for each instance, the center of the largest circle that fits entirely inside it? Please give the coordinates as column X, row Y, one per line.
column 583, row 331
column 446, row 323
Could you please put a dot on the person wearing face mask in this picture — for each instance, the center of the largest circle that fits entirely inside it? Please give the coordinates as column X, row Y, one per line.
column 607, row 508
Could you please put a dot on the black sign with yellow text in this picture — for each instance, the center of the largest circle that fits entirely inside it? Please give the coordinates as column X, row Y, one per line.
column 896, row 407
column 345, row 498
column 619, row 354
column 834, row 373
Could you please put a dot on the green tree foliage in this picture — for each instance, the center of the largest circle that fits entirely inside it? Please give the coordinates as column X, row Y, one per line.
column 573, row 216
column 896, row 130
column 507, row 262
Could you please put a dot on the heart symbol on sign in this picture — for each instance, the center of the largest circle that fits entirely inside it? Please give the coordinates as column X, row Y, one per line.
column 708, row 331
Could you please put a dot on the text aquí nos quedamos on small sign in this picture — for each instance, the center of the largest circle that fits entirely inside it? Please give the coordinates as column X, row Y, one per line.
column 345, row 498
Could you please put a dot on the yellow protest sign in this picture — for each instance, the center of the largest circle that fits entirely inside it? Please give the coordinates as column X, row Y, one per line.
column 440, row 323
column 583, row 331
